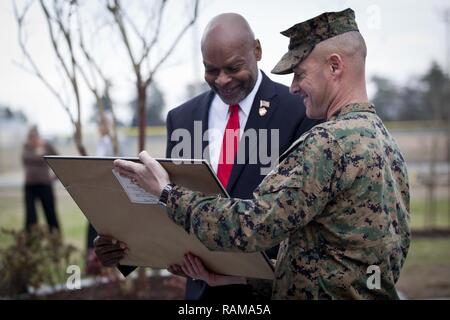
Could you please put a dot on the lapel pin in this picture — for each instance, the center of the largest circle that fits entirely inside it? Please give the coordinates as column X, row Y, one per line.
column 262, row 111
column 263, row 106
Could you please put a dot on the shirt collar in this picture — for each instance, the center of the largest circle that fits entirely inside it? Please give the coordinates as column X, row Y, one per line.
column 353, row 107
column 247, row 102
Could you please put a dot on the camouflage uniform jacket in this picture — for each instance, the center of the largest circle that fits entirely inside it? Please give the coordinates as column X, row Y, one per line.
column 338, row 203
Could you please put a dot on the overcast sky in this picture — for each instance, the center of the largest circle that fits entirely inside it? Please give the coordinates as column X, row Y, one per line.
column 403, row 37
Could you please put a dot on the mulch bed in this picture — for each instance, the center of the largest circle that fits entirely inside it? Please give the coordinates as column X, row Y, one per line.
column 156, row 288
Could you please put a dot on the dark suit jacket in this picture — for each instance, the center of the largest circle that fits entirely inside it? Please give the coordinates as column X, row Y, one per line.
column 286, row 113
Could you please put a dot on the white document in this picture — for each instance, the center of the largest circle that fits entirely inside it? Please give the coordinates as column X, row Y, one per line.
column 134, row 192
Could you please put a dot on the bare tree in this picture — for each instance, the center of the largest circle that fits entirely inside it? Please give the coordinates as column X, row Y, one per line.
column 77, row 61
column 138, row 56
column 446, row 16
column 72, row 57
column 436, row 94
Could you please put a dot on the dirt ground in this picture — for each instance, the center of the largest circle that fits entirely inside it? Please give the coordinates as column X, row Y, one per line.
column 425, row 282
column 416, row 282
column 157, row 288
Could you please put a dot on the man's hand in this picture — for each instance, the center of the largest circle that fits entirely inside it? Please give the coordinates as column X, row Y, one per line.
column 109, row 250
column 193, row 267
column 149, row 174
column 176, row 270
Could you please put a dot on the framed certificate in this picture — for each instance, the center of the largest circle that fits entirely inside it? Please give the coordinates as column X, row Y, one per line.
column 119, row 209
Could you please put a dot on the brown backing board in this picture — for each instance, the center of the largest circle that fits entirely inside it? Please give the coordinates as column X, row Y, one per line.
column 153, row 238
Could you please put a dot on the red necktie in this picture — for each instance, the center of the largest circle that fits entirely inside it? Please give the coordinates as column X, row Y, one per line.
column 229, row 146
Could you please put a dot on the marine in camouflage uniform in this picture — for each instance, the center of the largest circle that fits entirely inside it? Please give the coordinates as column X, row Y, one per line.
column 338, row 202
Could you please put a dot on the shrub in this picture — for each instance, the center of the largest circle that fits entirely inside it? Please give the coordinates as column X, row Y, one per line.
column 33, row 259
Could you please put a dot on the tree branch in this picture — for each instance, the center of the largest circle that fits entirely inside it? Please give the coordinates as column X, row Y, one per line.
column 116, row 11
column 172, row 47
column 148, row 48
column 35, row 70
column 67, row 36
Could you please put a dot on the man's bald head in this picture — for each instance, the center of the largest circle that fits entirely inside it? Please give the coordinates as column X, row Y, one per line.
column 228, row 29
column 332, row 75
column 230, row 56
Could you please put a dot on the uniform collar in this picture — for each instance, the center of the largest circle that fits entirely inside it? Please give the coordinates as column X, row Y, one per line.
column 353, row 107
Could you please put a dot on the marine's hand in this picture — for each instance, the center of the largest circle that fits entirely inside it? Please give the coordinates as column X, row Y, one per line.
column 149, row 174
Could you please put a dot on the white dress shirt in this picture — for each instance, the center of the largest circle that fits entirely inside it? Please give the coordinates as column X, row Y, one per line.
column 218, row 118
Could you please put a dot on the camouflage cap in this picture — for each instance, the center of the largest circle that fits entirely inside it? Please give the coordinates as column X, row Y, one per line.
column 305, row 35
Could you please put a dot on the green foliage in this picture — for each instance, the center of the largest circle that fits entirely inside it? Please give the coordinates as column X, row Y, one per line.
column 423, row 98
column 32, row 259
column 437, row 91
column 386, row 100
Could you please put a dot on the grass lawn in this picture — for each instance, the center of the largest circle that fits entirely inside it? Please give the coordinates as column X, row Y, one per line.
column 71, row 219
column 418, row 209
column 426, row 273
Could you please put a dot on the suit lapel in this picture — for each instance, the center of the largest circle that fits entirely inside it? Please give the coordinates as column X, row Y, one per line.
column 201, row 114
column 255, row 121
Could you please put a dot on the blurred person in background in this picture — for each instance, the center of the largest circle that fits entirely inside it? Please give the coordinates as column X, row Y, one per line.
column 38, row 180
column 104, row 148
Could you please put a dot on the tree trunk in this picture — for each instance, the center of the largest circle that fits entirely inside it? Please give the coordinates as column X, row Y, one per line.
column 448, row 162
column 115, row 140
column 141, row 111
column 78, row 138
column 430, row 214
column 430, row 209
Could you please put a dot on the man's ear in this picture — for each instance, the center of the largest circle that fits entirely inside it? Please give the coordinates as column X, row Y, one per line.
column 258, row 50
column 336, row 64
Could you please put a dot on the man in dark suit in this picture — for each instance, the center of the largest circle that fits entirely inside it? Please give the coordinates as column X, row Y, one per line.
column 263, row 119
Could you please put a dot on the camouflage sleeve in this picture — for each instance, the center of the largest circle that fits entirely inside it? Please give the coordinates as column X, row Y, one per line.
column 287, row 199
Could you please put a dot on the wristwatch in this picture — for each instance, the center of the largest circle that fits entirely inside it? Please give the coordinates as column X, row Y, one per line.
column 165, row 194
